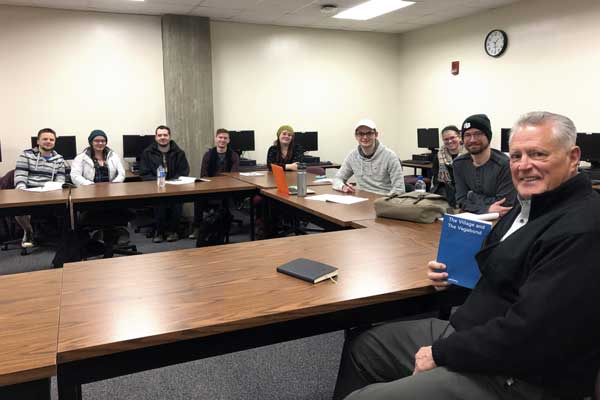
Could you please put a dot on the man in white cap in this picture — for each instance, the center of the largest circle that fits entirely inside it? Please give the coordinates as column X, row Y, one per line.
column 377, row 168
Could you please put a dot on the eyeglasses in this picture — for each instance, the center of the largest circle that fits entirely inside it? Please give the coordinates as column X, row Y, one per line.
column 450, row 139
column 474, row 135
column 101, row 141
column 365, row 134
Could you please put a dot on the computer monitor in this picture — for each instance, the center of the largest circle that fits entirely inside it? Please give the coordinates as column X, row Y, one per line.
column 590, row 148
column 66, row 146
column 134, row 145
column 428, row 138
column 241, row 140
column 504, row 137
column 309, row 141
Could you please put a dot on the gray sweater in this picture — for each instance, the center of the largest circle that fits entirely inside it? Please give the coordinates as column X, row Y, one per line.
column 33, row 170
column 381, row 174
column 478, row 187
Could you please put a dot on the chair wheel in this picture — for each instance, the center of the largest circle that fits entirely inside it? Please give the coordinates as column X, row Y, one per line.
column 134, row 248
column 23, row 252
column 137, row 230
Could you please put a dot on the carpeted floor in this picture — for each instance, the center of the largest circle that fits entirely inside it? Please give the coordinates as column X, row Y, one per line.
column 300, row 369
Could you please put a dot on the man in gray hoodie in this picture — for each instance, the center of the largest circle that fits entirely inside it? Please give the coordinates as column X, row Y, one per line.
column 34, row 168
column 377, row 168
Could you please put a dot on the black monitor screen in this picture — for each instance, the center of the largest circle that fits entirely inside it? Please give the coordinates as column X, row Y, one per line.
column 309, row 141
column 134, row 145
column 66, row 146
column 428, row 138
column 241, row 140
column 504, row 136
column 590, row 147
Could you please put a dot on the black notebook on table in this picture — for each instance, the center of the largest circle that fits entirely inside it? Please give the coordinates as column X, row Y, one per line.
column 308, row 270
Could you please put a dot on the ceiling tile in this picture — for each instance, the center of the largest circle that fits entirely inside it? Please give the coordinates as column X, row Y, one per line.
column 284, row 12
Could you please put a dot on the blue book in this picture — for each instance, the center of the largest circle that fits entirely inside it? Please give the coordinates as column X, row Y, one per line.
column 460, row 240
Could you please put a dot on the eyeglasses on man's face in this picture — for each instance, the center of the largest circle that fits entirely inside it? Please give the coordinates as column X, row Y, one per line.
column 365, row 134
column 473, row 135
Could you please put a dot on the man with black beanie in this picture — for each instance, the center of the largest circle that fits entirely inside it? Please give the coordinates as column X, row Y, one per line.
column 483, row 182
column 529, row 328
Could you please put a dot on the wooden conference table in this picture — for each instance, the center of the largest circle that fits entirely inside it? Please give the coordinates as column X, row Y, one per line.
column 425, row 167
column 29, row 310
column 148, row 190
column 341, row 215
column 21, row 202
column 136, row 194
column 118, row 317
column 267, row 180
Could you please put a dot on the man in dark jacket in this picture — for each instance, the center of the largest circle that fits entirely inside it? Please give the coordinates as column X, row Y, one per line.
column 482, row 177
column 164, row 152
column 218, row 159
column 530, row 327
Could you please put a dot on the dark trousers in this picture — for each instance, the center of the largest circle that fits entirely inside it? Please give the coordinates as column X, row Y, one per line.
column 167, row 217
column 377, row 364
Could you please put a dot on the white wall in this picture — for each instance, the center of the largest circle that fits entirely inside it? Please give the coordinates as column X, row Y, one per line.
column 552, row 63
column 313, row 79
column 75, row 72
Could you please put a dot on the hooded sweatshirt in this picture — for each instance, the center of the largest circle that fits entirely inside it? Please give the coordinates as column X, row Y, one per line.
column 33, row 170
column 380, row 173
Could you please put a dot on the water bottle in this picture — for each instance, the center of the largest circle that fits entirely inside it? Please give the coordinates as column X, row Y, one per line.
column 161, row 177
column 301, row 179
column 420, row 185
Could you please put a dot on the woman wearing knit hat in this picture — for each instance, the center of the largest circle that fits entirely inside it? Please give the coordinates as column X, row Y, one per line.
column 284, row 151
column 97, row 163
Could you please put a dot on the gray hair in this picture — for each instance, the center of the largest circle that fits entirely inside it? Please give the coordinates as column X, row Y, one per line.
column 563, row 129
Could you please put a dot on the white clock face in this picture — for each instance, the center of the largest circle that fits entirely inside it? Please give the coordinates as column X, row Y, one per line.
column 495, row 42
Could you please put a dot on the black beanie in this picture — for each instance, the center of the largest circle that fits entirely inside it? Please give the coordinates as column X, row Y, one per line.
column 96, row 132
column 478, row 121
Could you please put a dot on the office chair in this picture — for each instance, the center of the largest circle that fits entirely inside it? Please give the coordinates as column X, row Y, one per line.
column 9, row 223
column 110, row 238
column 110, row 231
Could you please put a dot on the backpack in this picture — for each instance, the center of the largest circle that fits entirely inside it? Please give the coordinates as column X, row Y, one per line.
column 76, row 246
column 214, row 229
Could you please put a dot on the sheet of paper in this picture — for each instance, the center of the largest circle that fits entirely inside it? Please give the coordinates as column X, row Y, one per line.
column 322, row 180
column 336, row 198
column 251, row 173
column 48, row 187
column 182, row 180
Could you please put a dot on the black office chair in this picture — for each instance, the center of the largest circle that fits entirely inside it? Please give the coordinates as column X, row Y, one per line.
column 9, row 225
column 9, row 230
column 109, row 236
column 108, row 232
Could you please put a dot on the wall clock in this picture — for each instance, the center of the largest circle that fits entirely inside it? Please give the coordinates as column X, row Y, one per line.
column 495, row 43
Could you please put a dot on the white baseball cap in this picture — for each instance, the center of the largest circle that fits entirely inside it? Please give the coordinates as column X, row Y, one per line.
column 369, row 123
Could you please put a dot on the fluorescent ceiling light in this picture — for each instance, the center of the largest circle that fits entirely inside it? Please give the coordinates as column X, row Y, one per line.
column 372, row 9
